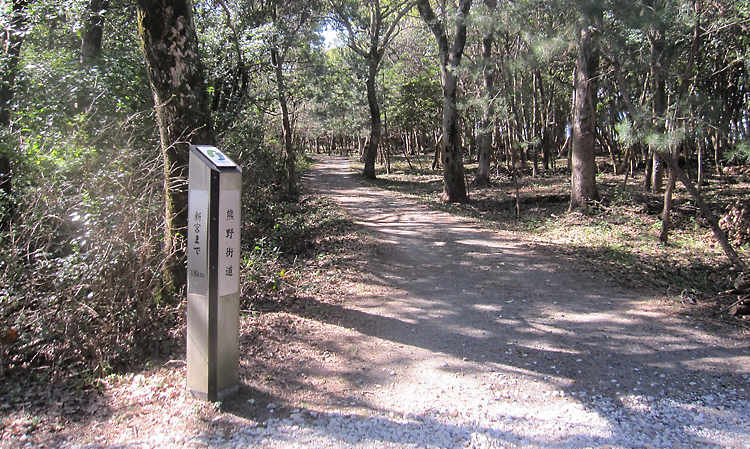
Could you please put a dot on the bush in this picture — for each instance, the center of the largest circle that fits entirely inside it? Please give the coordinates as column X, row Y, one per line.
column 80, row 265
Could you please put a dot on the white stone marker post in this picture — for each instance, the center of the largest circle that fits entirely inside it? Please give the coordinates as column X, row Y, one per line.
column 213, row 290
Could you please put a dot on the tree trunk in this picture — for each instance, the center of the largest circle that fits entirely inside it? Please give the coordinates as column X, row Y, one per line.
column 705, row 210
column 719, row 145
column 11, row 42
column 485, row 136
column 289, row 153
column 93, row 31
column 454, row 183
column 583, row 158
column 175, row 72
column 667, row 210
column 658, row 87
column 371, row 154
column 91, row 50
column 687, row 78
column 699, row 183
column 438, row 153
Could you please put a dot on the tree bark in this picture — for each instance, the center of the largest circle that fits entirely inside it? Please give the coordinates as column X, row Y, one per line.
column 175, row 72
column 482, row 177
column 583, row 158
column 454, row 183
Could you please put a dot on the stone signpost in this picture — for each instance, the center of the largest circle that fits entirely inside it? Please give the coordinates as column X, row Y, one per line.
column 213, row 292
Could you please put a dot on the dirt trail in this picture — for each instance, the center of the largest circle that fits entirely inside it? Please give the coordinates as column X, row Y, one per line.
column 469, row 323
column 455, row 337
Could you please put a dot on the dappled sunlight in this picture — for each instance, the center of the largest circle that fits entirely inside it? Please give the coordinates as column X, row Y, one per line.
column 466, row 312
column 550, row 329
column 604, row 318
column 725, row 363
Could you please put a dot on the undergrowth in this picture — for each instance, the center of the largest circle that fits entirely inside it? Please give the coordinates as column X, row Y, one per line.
column 296, row 241
column 81, row 262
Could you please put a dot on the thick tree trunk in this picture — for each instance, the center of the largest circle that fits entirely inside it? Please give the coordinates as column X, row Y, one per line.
column 175, row 72
column 11, row 41
column 371, row 154
column 485, row 136
column 583, row 158
column 454, row 183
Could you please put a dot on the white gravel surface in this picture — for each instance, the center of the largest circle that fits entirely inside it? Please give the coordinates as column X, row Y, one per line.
column 559, row 421
column 501, row 419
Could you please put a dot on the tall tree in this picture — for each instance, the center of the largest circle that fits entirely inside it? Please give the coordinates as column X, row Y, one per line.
column 686, row 81
column 583, row 169
column 658, row 69
column 11, row 41
column 288, row 21
column 454, row 183
column 369, row 33
column 485, row 136
column 174, row 68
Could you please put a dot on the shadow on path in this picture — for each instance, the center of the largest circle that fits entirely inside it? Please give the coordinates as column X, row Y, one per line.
column 519, row 329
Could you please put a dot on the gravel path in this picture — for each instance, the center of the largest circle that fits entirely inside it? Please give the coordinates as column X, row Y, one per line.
column 471, row 339
column 487, row 343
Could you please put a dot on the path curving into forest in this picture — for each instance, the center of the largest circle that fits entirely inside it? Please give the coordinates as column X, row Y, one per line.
column 477, row 340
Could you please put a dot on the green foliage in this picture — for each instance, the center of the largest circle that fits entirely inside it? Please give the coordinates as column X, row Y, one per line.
column 335, row 103
column 418, row 105
column 739, row 154
column 81, row 259
column 664, row 141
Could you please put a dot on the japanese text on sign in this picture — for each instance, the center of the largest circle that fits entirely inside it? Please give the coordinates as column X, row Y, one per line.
column 197, row 242
column 229, row 242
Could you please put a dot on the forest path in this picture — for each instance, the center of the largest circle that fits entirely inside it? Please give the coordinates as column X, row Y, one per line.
column 467, row 325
